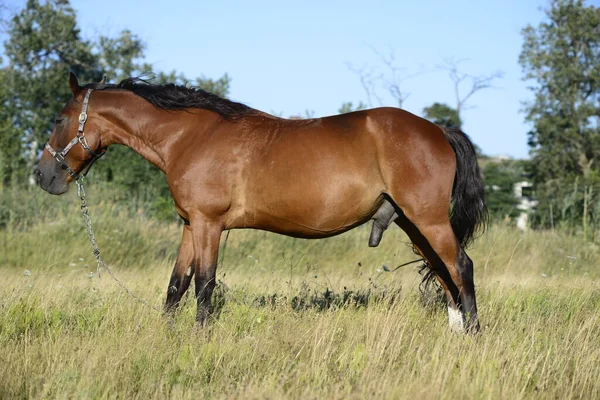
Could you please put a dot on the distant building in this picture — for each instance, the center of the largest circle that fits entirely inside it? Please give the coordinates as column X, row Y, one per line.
column 523, row 193
column 501, row 158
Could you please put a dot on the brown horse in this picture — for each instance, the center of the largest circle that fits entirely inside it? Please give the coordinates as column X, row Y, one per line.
column 232, row 167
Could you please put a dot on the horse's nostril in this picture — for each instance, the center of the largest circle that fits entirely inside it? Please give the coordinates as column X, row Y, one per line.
column 37, row 174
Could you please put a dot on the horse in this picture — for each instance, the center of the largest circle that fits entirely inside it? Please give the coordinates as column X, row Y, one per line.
column 229, row 166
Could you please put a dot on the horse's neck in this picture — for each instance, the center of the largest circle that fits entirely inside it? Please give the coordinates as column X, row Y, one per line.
column 154, row 133
column 142, row 143
column 132, row 123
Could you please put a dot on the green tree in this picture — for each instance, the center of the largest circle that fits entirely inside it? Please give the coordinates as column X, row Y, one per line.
column 443, row 114
column 348, row 106
column 121, row 57
column 561, row 57
column 499, row 178
column 11, row 157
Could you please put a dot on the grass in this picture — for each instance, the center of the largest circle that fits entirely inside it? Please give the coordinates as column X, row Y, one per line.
column 299, row 319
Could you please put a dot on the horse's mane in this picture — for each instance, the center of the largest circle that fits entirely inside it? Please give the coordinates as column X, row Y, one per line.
column 178, row 97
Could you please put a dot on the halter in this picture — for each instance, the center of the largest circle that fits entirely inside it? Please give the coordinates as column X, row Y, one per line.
column 60, row 156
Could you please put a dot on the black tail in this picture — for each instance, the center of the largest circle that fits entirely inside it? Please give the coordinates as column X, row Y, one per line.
column 469, row 213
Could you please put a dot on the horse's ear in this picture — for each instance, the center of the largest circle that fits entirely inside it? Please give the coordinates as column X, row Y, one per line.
column 73, row 83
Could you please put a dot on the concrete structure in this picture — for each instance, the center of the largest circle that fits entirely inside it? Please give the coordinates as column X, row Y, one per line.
column 523, row 192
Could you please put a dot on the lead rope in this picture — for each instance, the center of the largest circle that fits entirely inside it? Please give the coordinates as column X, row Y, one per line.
column 87, row 220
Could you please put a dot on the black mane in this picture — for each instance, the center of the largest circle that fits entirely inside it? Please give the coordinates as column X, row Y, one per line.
column 178, row 97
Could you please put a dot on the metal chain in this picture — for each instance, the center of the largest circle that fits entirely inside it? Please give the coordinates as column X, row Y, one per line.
column 99, row 262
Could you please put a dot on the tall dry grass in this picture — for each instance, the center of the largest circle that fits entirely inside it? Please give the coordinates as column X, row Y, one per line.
column 64, row 333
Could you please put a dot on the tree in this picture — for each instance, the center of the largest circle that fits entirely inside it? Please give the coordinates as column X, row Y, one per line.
column 499, row 177
column 392, row 80
column 443, row 114
column 11, row 159
column 348, row 106
column 561, row 57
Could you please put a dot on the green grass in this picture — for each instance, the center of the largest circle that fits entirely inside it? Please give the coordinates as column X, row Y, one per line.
column 285, row 329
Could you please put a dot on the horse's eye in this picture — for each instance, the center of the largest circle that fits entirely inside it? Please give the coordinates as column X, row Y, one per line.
column 58, row 120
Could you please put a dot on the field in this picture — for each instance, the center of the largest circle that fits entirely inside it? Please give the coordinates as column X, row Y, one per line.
column 297, row 319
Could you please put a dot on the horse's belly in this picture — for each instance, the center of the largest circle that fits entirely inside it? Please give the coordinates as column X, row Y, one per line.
column 312, row 211
column 310, row 184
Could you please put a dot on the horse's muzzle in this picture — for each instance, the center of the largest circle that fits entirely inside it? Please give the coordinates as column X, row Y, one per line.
column 50, row 180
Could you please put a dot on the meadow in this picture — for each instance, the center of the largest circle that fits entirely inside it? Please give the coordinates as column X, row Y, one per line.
column 296, row 318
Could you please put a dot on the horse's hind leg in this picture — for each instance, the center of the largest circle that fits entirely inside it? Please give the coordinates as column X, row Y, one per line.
column 182, row 272
column 453, row 268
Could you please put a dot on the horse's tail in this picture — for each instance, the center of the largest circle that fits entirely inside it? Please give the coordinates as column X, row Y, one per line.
column 469, row 214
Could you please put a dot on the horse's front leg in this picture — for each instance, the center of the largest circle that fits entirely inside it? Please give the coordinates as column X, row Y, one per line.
column 182, row 272
column 206, row 236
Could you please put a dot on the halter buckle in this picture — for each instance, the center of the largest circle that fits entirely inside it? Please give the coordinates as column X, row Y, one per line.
column 82, row 117
column 81, row 139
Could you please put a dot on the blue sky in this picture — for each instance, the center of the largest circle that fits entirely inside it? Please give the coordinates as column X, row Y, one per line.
column 288, row 57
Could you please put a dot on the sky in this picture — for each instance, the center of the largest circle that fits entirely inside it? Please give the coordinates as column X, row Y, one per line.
column 290, row 57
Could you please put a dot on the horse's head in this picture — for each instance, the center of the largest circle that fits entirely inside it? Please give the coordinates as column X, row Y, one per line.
column 70, row 150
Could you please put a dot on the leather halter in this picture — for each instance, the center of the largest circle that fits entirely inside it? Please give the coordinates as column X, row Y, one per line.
column 60, row 156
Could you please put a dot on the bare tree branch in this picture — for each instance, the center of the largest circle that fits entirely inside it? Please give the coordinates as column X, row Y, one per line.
column 368, row 78
column 475, row 83
column 392, row 80
column 396, row 75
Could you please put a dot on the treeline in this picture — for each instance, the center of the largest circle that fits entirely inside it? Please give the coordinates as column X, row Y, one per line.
column 559, row 57
column 560, row 60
